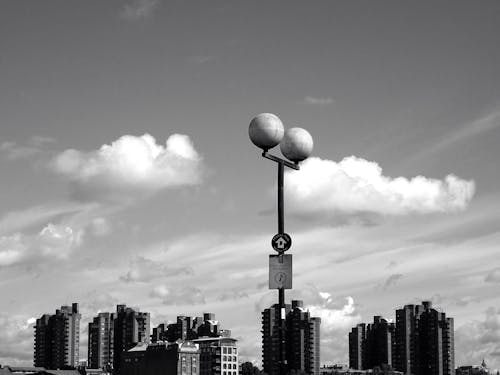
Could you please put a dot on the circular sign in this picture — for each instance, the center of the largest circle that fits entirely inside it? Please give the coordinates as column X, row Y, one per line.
column 281, row 242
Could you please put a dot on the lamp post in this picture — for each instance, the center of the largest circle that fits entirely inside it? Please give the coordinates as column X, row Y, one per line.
column 267, row 131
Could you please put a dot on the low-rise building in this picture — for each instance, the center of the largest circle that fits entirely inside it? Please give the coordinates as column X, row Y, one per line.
column 181, row 357
column 218, row 356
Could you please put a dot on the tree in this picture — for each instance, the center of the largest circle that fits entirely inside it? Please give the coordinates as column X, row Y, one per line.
column 247, row 368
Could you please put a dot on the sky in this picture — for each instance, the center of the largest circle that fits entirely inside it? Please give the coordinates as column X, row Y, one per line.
column 127, row 174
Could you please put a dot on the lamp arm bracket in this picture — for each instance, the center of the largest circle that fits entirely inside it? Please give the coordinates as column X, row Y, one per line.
column 280, row 161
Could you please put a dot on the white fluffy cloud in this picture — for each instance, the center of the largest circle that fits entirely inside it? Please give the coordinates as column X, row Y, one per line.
column 332, row 315
column 57, row 241
column 130, row 166
column 337, row 318
column 355, row 186
column 52, row 242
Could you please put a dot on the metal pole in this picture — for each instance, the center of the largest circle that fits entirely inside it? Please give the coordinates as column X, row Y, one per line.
column 281, row 291
column 281, row 211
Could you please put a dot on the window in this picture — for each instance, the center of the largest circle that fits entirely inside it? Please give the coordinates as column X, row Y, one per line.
column 224, row 350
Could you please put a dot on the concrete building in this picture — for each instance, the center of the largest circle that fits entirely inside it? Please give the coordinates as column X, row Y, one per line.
column 187, row 328
column 209, row 326
column 405, row 354
column 57, row 338
column 130, row 328
column 270, row 338
column 159, row 333
column 371, row 345
column 379, row 344
column 218, row 355
column 357, row 338
column 481, row 369
column 424, row 341
column 101, row 341
column 181, row 357
column 302, row 339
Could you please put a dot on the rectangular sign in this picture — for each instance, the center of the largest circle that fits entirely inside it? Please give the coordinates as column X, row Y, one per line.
column 280, row 271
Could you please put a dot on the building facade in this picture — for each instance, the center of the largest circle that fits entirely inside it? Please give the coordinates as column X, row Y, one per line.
column 372, row 345
column 356, row 339
column 187, row 328
column 302, row 339
column 57, row 338
column 424, row 341
column 379, row 344
column 178, row 358
column 130, row 328
column 270, row 338
column 101, row 341
column 218, row 355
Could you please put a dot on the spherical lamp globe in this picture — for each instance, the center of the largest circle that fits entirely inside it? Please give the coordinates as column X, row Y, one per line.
column 297, row 144
column 266, row 131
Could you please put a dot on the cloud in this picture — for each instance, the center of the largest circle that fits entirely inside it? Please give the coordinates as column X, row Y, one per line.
column 146, row 270
column 493, row 276
column 480, row 339
column 15, row 151
column 479, row 126
column 31, row 216
column 318, row 101
column 231, row 295
column 201, row 59
column 391, row 280
column 337, row 318
column 187, row 295
column 130, row 167
column 34, row 146
column 334, row 315
column 12, row 250
column 96, row 301
column 53, row 242
column 139, row 9
column 100, row 227
column 57, row 241
column 16, row 340
column 355, row 187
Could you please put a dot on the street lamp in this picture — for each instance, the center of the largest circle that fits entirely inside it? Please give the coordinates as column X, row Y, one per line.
column 267, row 131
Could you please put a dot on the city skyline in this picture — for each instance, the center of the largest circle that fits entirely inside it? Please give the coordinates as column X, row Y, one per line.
column 128, row 176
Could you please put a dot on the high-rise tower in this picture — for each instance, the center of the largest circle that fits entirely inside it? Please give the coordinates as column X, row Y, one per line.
column 424, row 341
column 130, row 328
column 371, row 345
column 57, row 338
column 356, row 340
column 101, row 341
column 302, row 338
column 270, row 338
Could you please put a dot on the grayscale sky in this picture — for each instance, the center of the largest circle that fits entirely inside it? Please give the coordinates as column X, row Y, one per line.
column 127, row 175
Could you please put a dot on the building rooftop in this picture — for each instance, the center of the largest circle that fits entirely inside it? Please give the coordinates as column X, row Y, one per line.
column 140, row 347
